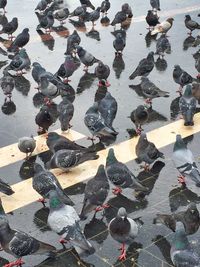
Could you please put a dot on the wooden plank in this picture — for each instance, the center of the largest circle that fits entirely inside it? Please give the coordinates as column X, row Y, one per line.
column 125, row 152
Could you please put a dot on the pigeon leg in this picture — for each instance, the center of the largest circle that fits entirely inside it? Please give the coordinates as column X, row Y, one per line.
column 139, row 130
column 102, row 207
column 117, row 191
column 189, row 33
column 123, row 253
column 91, row 139
column 62, row 241
column 148, row 101
column 181, row 179
column 18, row 262
column 62, row 22
column 43, row 201
column 145, row 167
column 198, row 76
column 4, row 11
column 107, row 84
column 66, row 80
column 180, row 90
column 85, row 68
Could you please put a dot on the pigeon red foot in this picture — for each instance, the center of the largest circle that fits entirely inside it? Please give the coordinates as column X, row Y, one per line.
column 18, row 262
column 123, row 253
column 117, row 191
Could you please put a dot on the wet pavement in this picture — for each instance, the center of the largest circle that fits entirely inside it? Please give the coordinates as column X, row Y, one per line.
column 152, row 246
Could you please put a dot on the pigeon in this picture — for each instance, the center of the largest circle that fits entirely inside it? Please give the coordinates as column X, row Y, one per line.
column 20, row 41
column 66, row 159
column 181, row 77
column 163, row 27
column 27, row 145
column 87, row 3
column 187, row 104
column 146, row 151
column 37, row 71
column 127, row 9
column 190, row 219
column 155, row 4
column 119, row 44
column 3, row 4
column 94, row 16
column 144, row 67
column 151, row 91
column 182, row 252
column 79, row 11
column 85, row 57
column 64, row 220
column 73, row 40
column 70, row 65
column 96, row 192
column 163, row 46
column 19, row 244
column 119, row 174
column 20, row 62
column 119, row 18
column 41, row 6
column 184, row 162
column 105, row 6
column 44, row 120
column 7, row 84
column 49, row 88
column 191, row 24
column 61, row 15
column 102, row 72
column 152, row 19
column 66, row 112
column 139, row 116
column 44, row 181
column 123, row 229
column 96, row 123
column 5, row 188
column 46, row 22
column 107, row 106
column 10, row 27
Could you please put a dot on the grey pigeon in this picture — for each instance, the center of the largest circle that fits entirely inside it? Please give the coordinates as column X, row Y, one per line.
column 163, row 46
column 70, row 65
column 190, row 219
column 191, row 24
column 19, row 244
column 163, row 27
column 139, row 116
column 20, row 41
column 155, row 4
column 144, row 67
column 57, row 142
column 127, row 9
column 152, row 19
column 27, row 145
column 66, row 159
column 119, row 18
column 181, row 77
column 182, row 252
column 96, row 192
column 79, row 11
column 20, row 62
column 10, row 27
column 102, row 72
column 64, row 220
column 61, row 14
column 73, row 40
column 44, row 119
column 184, row 162
column 37, row 71
column 96, row 123
column 66, row 112
column 94, row 16
column 105, row 6
column 123, row 229
column 5, row 188
column 48, row 88
column 187, row 104
column 7, row 84
column 41, row 6
column 107, row 106
column 146, row 151
column 151, row 91
column 119, row 44
column 119, row 174
column 85, row 57
column 44, row 181
column 3, row 4
column 46, row 22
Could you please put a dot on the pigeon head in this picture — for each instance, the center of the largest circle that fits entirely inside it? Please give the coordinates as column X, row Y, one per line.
column 150, row 55
column 170, row 20
column 143, row 136
column 177, row 67
column 188, row 90
column 23, row 53
column 26, row 30
column 98, row 9
column 101, row 173
column 37, row 168
column 50, row 13
column 52, row 136
column 187, row 17
column 192, row 210
column 111, row 157
column 140, row 108
column 15, row 20
column 122, row 212
column 100, row 65
column 179, row 144
column 54, row 200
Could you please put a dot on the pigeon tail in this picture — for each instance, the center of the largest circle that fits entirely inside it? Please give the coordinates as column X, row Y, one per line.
column 195, row 175
column 5, row 188
column 133, row 75
column 89, row 156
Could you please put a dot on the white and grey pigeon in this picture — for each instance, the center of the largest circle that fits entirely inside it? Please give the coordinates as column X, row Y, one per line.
column 163, row 27
column 123, row 229
column 27, row 145
column 182, row 252
column 44, row 181
column 64, row 220
column 96, row 192
column 85, row 57
column 187, row 105
column 120, row 175
column 184, row 162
